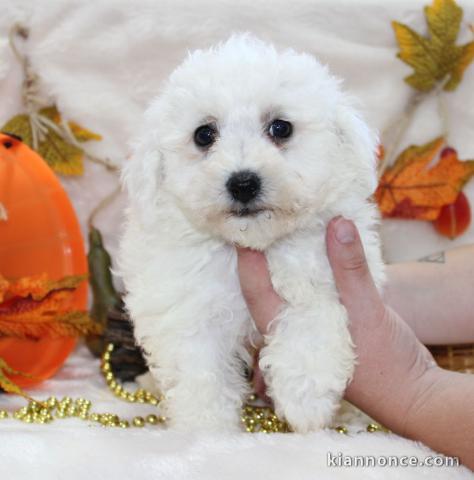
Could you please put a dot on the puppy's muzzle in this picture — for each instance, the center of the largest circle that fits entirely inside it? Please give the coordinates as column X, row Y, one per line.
column 244, row 186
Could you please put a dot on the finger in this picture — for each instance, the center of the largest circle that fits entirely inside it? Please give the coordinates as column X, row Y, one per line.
column 262, row 301
column 351, row 273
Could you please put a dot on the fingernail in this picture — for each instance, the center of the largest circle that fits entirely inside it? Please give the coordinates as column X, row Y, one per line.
column 344, row 231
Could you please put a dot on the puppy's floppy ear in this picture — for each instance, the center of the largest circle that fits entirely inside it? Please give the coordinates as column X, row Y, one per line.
column 141, row 176
column 359, row 143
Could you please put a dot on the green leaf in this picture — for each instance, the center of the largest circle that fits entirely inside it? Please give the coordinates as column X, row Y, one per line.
column 105, row 297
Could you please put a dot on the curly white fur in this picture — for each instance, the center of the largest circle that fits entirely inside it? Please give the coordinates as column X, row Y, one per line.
column 178, row 257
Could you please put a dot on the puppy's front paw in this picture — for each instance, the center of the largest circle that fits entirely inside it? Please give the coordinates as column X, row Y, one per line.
column 307, row 405
column 307, row 383
column 307, row 363
column 315, row 415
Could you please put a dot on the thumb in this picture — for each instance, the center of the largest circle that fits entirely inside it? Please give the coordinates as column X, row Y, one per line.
column 262, row 301
column 351, row 273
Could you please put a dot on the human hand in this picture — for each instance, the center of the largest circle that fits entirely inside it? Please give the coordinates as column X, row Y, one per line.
column 391, row 361
column 396, row 380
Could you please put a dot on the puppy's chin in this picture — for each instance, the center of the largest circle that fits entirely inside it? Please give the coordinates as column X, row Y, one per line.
column 256, row 230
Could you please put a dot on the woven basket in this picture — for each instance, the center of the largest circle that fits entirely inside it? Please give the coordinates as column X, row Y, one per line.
column 459, row 358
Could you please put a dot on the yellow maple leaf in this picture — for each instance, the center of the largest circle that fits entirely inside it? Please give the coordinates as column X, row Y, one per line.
column 80, row 133
column 436, row 57
column 61, row 155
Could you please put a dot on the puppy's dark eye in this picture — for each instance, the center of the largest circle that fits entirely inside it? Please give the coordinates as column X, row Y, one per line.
column 280, row 129
column 205, row 135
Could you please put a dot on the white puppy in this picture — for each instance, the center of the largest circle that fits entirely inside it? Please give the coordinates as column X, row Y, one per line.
column 245, row 146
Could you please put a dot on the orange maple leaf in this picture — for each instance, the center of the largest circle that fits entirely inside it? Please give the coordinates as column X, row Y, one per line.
column 36, row 306
column 412, row 189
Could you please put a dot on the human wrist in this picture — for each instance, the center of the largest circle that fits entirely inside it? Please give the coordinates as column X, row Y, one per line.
column 395, row 406
column 390, row 370
column 423, row 391
column 433, row 397
column 442, row 414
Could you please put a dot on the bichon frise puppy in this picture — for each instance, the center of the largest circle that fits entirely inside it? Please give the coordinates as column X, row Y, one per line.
column 245, row 146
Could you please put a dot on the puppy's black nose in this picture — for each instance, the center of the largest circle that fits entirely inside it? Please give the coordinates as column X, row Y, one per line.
column 244, row 185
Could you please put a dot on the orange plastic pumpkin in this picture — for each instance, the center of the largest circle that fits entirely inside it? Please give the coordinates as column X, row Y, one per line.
column 41, row 234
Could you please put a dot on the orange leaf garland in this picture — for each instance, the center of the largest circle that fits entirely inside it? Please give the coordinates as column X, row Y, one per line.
column 38, row 286
column 69, row 324
column 6, row 384
column 4, row 284
column 36, row 306
column 412, row 189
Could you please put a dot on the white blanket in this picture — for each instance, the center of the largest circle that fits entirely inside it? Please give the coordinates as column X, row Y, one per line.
column 101, row 61
column 76, row 450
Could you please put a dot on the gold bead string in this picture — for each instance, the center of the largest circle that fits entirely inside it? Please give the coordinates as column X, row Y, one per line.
column 53, row 409
column 43, row 412
column 138, row 396
column 255, row 418
column 262, row 419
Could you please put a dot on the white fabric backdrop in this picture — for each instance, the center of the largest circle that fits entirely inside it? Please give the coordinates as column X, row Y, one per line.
column 102, row 61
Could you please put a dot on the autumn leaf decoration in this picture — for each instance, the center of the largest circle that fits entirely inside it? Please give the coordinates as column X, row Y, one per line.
column 37, row 307
column 425, row 182
column 6, row 384
column 415, row 187
column 435, row 58
column 58, row 147
column 41, row 127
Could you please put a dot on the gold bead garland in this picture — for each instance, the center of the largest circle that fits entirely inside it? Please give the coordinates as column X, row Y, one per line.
column 139, row 396
column 262, row 419
column 53, row 409
column 254, row 418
